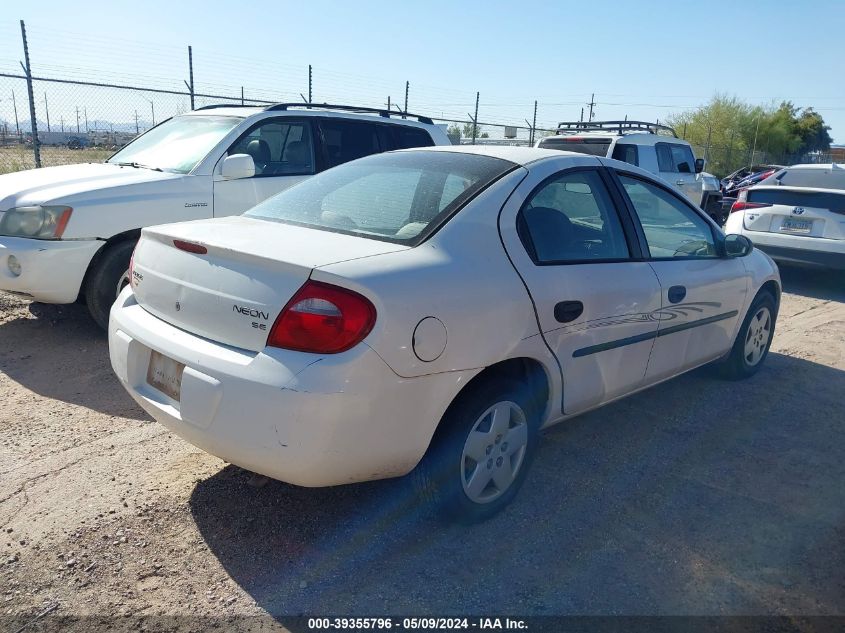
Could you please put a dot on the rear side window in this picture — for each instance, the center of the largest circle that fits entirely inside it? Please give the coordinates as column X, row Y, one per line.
column 347, row 140
column 396, row 197
column 407, row 137
column 626, row 153
column 571, row 218
column 590, row 146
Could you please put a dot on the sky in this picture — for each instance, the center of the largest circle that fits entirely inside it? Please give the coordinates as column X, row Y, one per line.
column 644, row 60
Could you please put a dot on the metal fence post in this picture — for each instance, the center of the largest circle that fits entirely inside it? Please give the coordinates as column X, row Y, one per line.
column 36, row 149
column 191, row 74
column 475, row 119
column 407, row 87
column 533, row 125
column 309, row 83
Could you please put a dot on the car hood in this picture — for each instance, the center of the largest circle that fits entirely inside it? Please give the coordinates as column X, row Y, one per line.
column 55, row 184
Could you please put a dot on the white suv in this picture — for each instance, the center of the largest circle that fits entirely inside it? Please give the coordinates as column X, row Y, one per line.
column 67, row 233
column 654, row 147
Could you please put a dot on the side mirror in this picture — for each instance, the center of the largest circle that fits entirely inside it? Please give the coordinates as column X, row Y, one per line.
column 737, row 245
column 699, row 165
column 237, row 166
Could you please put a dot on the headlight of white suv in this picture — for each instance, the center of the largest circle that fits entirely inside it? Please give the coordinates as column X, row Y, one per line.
column 39, row 222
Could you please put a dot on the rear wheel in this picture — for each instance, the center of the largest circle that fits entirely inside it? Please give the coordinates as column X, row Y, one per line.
column 754, row 339
column 109, row 276
column 480, row 456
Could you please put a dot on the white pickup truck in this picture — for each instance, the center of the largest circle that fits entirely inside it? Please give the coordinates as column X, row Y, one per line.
column 67, row 233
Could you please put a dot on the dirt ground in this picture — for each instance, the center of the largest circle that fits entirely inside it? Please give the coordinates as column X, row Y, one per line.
column 695, row 497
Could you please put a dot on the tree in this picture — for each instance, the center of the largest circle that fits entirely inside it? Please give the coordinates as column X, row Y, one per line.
column 813, row 132
column 731, row 133
column 467, row 131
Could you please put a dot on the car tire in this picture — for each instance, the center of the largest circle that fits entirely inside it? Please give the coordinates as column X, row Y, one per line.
column 481, row 452
column 105, row 281
column 753, row 340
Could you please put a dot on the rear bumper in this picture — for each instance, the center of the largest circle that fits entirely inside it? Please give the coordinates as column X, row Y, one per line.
column 803, row 257
column 301, row 418
column 51, row 271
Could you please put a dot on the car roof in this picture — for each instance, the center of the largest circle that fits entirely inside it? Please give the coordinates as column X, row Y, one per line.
column 515, row 154
column 824, row 166
column 244, row 112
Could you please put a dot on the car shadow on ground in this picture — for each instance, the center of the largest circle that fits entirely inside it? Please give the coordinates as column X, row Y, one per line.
column 61, row 354
column 827, row 285
column 698, row 496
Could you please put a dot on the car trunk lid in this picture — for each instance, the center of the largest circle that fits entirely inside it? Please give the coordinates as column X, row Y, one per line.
column 227, row 279
column 796, row 211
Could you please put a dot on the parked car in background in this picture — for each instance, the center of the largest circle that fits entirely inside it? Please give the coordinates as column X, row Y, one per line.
column 733, row 188
column 421, row 311
column 732, row 180
column 796, row 215
column 654, row 147
column 68, row 232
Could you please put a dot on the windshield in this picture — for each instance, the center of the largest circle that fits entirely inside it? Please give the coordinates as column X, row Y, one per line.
column 816, row 178
column 397, row 197
column 591, row 146
column 176, row 145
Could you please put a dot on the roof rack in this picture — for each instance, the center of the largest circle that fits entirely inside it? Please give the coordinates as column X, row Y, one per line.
column 325, row 106
column 615, row 126
column 346, row 108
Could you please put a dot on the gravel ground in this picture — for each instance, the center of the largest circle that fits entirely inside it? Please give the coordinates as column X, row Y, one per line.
column 695, row 497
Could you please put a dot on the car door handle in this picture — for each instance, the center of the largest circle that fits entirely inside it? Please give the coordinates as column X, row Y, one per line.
column 677, row 294
column 567, row 311
column 680, row 182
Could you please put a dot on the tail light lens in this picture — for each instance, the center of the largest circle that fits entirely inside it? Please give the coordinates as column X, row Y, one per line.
column 742, row 205
column 323, row 319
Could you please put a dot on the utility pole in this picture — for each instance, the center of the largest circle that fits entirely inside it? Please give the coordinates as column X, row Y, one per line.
column 15, row 106
column 388, row 103
column 407, row 87
column 754, row 147
column 62, row 119
column 85, row 110
column 591, row 104
column 36, row 144
column 47, row 110
column 77, row 119
column 242, row 95
column 309, row 83
column 137, row 130
column 582, row 115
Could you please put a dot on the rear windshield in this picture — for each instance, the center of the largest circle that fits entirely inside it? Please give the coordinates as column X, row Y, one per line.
column 591, row 146
column 816, row 199
column 396, row 197
column 816, row 178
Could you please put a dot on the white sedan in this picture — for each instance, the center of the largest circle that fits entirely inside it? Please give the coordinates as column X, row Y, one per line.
column 430, row 311
column 796, row 215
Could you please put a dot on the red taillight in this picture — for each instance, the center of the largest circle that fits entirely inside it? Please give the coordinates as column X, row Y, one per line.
column 182, row 245
column 323, row 319
column 742, row 205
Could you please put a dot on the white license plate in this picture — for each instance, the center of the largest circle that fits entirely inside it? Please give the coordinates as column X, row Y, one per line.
column 165, row 374
column 797, row 226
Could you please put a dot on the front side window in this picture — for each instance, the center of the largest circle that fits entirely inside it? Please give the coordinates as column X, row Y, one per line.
column 348, row 140
column 674, row 157
column 279, row 147
column 571, row 218
column 398, row 197
column 671, row 228
column 177, row 145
